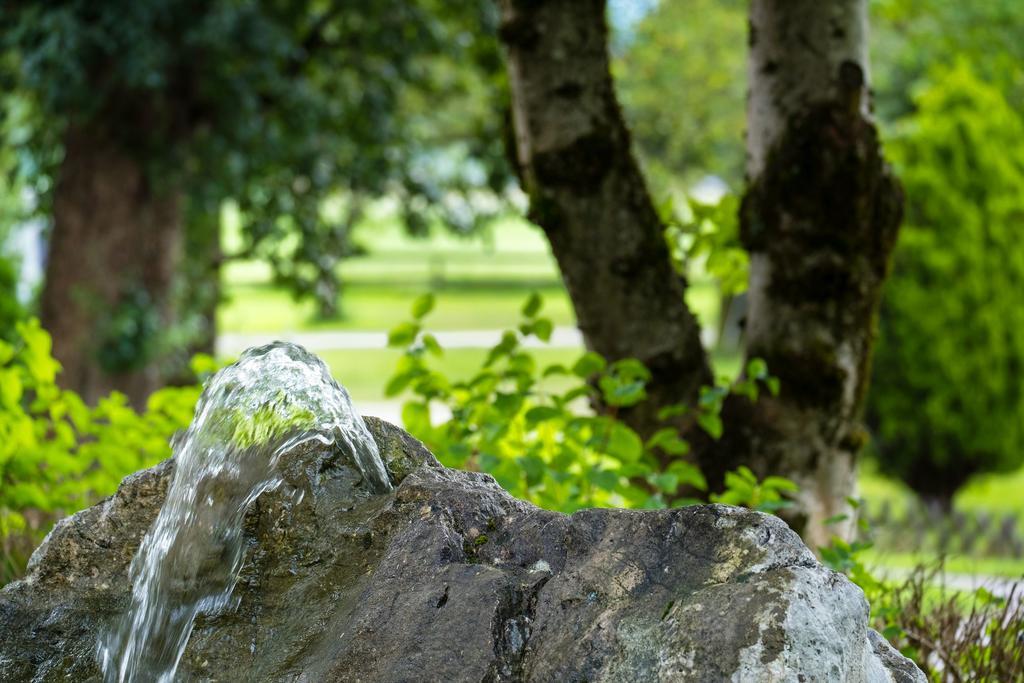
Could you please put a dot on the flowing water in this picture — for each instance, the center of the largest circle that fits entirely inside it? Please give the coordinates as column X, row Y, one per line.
column 273, row 399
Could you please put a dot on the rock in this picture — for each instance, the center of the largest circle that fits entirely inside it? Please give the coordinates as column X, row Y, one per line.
column 449, row 578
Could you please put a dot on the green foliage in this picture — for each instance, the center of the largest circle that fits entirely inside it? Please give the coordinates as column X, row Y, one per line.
column 707, row 235
column 11, row 309
column 687, row 56
column 743, row 488
column 910, row 36
column 951, row 635
column 946, row 398
column 302, row 112
column 532, row 427
column 130, row 333
column 58, row 454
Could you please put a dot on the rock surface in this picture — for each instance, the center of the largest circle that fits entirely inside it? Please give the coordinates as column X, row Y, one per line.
column 449, row 578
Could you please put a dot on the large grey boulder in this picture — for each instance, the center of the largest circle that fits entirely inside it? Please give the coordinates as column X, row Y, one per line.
column 449, row 578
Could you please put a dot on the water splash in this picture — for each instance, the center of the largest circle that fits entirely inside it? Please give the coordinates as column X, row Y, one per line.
column 276, row 397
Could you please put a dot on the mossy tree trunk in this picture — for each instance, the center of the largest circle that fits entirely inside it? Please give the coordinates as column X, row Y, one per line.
column 114, row 250
column 586, row 191
column 204, row 259
column 819, row 219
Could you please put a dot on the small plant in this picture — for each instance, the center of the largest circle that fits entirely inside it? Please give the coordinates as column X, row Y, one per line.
column 743, row 488
column 708, row 233
column 953, row 636
column 532, row 427
column 57, row 454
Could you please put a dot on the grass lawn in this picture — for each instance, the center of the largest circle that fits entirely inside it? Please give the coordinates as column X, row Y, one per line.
column 481, row 282
column 954, row 564
column 993, row 495
column 996, row 495
column 264, row 308
column 256, row 307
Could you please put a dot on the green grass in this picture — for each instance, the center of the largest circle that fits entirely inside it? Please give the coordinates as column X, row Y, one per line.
column 251, row 307
column 993, row 494
column 954, row 564
column 263, row 308
column 481, row 281
column 996, row 494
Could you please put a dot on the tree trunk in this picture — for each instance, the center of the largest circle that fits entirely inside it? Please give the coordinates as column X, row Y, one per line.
column 198, row 291
column 587, row 193
column 114, row 249
column 203, row 261
column 819, row 219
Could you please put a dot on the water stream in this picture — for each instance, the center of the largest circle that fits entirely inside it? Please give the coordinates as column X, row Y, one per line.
column 273, row 399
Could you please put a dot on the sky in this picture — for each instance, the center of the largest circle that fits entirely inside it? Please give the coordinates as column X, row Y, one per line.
column 624, row 15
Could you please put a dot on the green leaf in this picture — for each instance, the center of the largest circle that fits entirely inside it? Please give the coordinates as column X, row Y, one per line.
column 604, row 479
column 711, row 397
column 508, row 404
column 773, row 506
column 711, row 423
column 556, row 369
column 623, row 443
column 422, row 305
column 542, row 328
column 618, row 393
column 6, row 352
column 10, row 389
column 668, row 440
column 589, row 364
column 666, row 482
column 778, row 483
column 431, row 344
column 630, row 368
column 416, row 418
column 203, row 365
column 532, row 305
column 538, row 414
column 534, row 468
column 398, row 383
column 403, row 334
column 689, row 474
column 675, row 410
column 507, row 344
column 575, row 393
column 746, row 475
column 757, row 368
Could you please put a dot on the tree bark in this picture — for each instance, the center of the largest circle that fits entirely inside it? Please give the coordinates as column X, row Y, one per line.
column 587, row 193
column 203, row 261
column 114, row 237
column 819, row 218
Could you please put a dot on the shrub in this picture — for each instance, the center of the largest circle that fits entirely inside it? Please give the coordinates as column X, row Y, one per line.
column 531, row 427
column 57, row 454
column 11, row 310
column 952, row 635
column 947, row 399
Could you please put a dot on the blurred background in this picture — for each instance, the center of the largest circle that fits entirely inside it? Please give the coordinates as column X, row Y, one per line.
column 183, row 180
